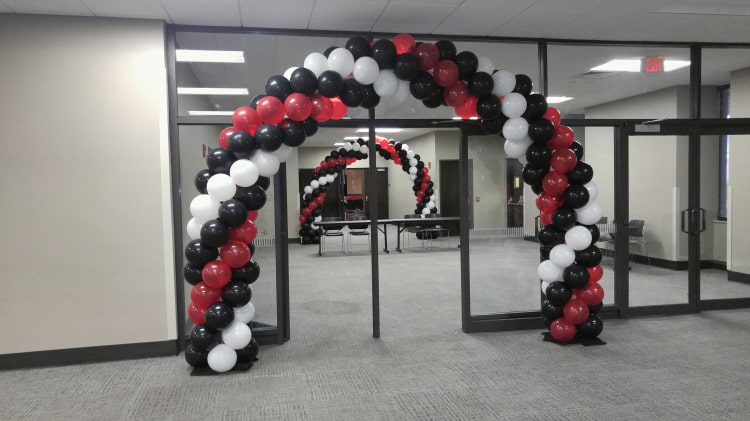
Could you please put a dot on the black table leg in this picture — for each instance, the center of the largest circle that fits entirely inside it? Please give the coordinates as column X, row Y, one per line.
column 398, row 235
column 385, row 238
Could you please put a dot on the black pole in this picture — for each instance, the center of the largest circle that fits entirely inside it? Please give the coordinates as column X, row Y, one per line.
column 374, row 228
column 282, row 255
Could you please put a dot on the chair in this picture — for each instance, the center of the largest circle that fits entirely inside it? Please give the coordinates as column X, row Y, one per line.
column 411, row 228
column 432, row 231
column 332, row 231
column 635, row 236
column 360, row 229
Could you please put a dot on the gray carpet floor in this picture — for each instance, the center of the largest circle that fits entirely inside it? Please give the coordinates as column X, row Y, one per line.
column 694, row 367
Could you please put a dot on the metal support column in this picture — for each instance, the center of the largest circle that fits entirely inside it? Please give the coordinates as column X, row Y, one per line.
column 374, row 228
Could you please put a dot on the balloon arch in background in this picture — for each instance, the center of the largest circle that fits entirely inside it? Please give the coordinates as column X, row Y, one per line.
column 220, row 265
column 314, row 193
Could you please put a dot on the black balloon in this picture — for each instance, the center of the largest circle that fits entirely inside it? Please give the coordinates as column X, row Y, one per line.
column 406, row 66
column 253, row 197
column 311, row 126
column 263, row 182
column 523, row 84
column 576, row 196
column 548, row 322
column 550, row 310
column 494, row 126
column 198, row 254
column 537, row 188
column 352, row 95
column 481, row 84
column 328, row 50
column 533, row 175
column 371, row 98
column 423, row 86
column 304, row 81
column 330, row 84
column 489, row 107
column 538, row 155
column 434, row 101
column 241, row 142
column 558, row 293
column 564, row 217
column 467, row 64
column 595, row 233
column 201, row 180
column 204, row 338
column 359, row 46
column 220, row 160
column 550, row 235
column 446, row 49
column 544, row 252
column 384, row 53
column 541, row 130
column 192, row 273
column 249, row 353
column 254, row 101
column 236, row 293
column 248, row 273
column 536, row 106
column 577, row 148
column 293, row 132
column 581, row 174
column 233, row 213
column 589, row 257
column 279, row 87
column 219, row 315
column 214, row 233
column 576, row 276
column 269, row 137
column 596, row 308
column 196, row 357
column 592, row 327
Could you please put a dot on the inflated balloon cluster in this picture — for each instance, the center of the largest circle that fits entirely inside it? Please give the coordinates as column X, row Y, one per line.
column 332, row 165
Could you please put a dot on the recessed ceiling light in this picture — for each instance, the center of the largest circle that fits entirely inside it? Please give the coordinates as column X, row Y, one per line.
column 634, row 65
column 210, row 56
column 200, row 112
column 211, row 91
column 558, row 99
column 381, row 130
column 352, row 137
column 670, row 65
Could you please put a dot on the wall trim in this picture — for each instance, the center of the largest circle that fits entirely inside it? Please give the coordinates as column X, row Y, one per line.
column 87, row 355
column 738, row 277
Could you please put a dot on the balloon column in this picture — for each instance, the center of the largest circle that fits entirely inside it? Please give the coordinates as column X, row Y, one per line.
column 263, row 135
column 333, row 164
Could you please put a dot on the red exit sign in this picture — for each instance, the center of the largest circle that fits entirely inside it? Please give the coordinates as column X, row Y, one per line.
column 652, row 64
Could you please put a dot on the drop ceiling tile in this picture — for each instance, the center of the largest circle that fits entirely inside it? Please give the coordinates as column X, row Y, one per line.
column 5, row 9
column 593, row 25
column 481, row 17
column 143, row 9
column 200, row 12
column 59, row 7
column 290, row 13
column 346, row 15
column 412, row 17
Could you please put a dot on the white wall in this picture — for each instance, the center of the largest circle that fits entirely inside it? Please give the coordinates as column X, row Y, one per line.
column 87, row 249
column 738, row 225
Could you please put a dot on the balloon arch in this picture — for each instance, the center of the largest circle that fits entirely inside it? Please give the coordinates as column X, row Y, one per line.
column 220, row 265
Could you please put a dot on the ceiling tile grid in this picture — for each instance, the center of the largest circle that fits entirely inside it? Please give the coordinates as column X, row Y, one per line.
column 482, row 17
column 346, row 15
column 416, row 17
column 292, row 14
column 141, row 9
column 197, row 12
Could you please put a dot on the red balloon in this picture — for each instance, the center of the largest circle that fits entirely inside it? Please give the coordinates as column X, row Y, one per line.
column 302, row 219
column 553, row 115
column 224, row 136
column 203, row 295
column 468, row 109
column 445, row 73
column 548, row 203
column 426, row 177
column 595, row 273
column 563, row 160
column 246, row 119
column 322, row 108
column 270, row 109
column 404, row 43
column 555, row 183
column 428, row 56
column 562, row 139
column 339, row 109
column 216, row 274
column 235, row 254
column 576, row 311
column 456, row 94
column 252, row 215
column 196, row 315
column 545, row 217
column 425, row 170
column 562, row 330
column 297, row 106
column 246, row 232
column 591, row 294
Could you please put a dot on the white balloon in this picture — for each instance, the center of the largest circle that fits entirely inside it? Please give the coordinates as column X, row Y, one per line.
column 515, row 128
column 544, row 286
column 283, row 153
column 522, row 159
column 322, row 180
column 288, row 72
column 402, row 94
column 589, row 214
column 221, row 187
column 413, row 170
column 244, row 314
column 562, row 255
column 237, row 335
column 318, row 218
column 413, row 162
column 386, row 84
column 313, row 226
column 330, row 178
column 194, row 228
column 364, row 149
column 244, row 172
column 317, row 63
column 405, row 147
column 222, row 358
column 410, row 154
column 347, row 146
column 366, row 70
column 314, row 184
column 578, row 237
column 430, row 204
column 514, row 104
column 593, row 190
column 267, row 164
column 308, row 189
column 505, row 82
column 204, row 207
column 341, row 61
column 425, row 211
column 517, row 148
column 549, row 271
column 412, row 177
column 485, row 65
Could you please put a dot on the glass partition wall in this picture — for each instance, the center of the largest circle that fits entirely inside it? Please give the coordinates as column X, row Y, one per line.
column 492, row 250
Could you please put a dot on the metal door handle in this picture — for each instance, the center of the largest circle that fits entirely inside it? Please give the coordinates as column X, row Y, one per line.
column 696, row 220
column 683, row 219
column 702, row 213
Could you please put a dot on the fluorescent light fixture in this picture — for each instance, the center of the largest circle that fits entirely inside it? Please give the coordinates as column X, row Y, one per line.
column 670, row 65
column 352, row 137
column 211, row 91
column 210, row 112
column 381, row 130
column 457, row 118
column 210, row 56
column 338, row 144
column 558, row 99
column 634, row 65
